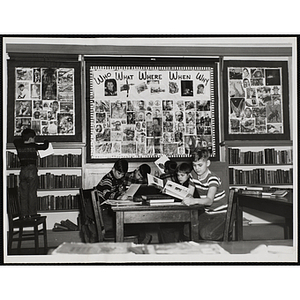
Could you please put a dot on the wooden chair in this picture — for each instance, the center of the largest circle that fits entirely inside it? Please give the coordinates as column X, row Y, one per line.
column 88, row 230
column 16, row 225
column 230, row 216
column 103, row 234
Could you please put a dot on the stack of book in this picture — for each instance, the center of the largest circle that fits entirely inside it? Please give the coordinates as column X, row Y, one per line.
column 264, row 191
column 159, row 199
column 66, row 225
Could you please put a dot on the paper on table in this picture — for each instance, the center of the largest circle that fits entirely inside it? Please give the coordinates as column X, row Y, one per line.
column 47, row 152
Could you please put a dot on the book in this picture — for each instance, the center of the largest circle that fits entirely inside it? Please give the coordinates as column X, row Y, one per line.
column 280, row 193
column 160, row 163
column 59, row 227
column 175, row 190
column 47, row 152
column 163, row 199
column 155, row 181
column 69, row 224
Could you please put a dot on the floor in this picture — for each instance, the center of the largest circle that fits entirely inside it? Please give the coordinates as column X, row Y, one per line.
column 56, row 238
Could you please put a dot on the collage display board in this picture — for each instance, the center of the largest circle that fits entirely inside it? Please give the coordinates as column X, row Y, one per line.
column 256, row 105
column 45, row 100
column 45, row 97
column 143, row 111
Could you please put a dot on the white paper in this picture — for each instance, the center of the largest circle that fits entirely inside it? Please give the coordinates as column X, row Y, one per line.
column 161, row 162
column 47, row 152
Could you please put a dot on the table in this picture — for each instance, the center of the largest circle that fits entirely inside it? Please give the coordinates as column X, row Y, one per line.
column 278, row 206
column 156, row 214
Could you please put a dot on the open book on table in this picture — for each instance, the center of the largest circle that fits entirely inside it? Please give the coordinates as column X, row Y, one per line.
column 170, row 188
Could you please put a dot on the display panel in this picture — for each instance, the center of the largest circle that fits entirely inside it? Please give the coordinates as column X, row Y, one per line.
column 256, row 100
column 143, row 111
column 44, row 97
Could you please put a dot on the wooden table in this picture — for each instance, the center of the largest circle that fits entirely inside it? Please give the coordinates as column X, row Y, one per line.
column 156, row 214
column 278, row 206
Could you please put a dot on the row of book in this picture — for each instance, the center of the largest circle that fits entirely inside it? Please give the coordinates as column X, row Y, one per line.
column 49, row 181
column 266, row 156
column 51, row 202
column 260, row 176
column 51, row 161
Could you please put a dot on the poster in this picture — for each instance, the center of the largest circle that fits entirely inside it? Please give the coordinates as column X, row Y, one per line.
column 147, row 111
column 256, row 100
column 44, row 101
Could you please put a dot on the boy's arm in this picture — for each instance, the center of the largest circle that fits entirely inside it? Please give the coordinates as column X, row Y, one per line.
column 206, row 201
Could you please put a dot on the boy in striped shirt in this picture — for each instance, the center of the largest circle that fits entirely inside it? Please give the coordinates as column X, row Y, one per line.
column 209, row 193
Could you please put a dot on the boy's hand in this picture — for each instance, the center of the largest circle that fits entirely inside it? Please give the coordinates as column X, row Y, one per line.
column 189, row 201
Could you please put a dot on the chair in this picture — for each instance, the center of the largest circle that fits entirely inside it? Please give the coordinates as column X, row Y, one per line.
column 16, row 225
column 88, row 230
column 103, row 234
column 230, row 216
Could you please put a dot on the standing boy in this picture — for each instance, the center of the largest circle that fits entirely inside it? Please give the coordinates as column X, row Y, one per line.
column 27, row 153
column 210, row 194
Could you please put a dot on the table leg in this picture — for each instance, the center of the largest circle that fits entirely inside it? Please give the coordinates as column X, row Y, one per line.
column 239, row 221
column 194, row 225
column 119, row 226
column 288, row 228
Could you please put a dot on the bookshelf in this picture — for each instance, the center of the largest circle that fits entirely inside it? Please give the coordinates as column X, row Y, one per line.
column 270, row 165
column 60, row 178
column 260, row 163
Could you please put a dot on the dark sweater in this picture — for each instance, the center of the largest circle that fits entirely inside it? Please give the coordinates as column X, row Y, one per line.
column 27, row 153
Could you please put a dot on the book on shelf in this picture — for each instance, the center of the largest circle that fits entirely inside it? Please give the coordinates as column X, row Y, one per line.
column 265, row 156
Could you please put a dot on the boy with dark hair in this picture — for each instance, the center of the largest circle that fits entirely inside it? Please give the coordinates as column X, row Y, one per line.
column 170, row 171
column 29, row 180
column 211, row 195
column 139, row 175
column 111, row 185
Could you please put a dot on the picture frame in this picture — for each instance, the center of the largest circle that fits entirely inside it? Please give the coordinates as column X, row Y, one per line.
column 256, row 100
column 44, row 93
column 136, row 106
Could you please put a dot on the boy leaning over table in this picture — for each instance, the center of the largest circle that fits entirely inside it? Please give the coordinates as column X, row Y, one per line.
column 210, row 193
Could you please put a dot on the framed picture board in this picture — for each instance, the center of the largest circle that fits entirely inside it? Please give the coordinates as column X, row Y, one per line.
column 256, row 100
column 141, row 108
column 44, row 95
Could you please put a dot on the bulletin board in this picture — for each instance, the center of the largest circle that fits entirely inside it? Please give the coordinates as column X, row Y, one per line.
column 44, row 95
column 256, row 100
column 143, row 108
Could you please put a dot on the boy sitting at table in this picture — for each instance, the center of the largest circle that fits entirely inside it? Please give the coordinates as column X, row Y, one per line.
column 173, row 232
column 111, row 186
column 139, row 175
column 210, row 194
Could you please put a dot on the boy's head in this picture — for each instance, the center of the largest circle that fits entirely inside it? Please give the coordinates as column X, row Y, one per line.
column 120, row 168
column 201, row 161
column 28, row 134
column 183, row 172
column 170, row 166
column 142, row 171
